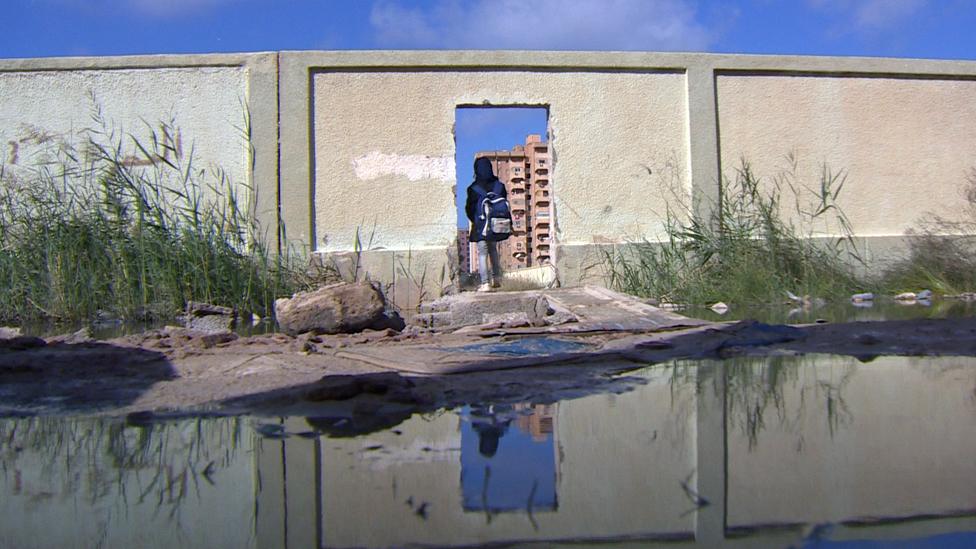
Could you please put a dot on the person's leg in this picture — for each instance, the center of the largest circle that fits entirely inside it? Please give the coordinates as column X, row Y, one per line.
column 483, row 260
column 496, row 265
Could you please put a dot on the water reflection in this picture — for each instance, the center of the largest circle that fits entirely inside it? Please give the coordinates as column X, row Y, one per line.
column 84, row 482
column 773, row 452
column 520, row 474
column 841, row 310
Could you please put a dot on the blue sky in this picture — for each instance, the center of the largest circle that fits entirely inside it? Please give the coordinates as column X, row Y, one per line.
column 939, row 29
column 900, row 28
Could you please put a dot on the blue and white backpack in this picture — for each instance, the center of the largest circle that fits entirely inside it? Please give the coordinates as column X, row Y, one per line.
column 497, row 214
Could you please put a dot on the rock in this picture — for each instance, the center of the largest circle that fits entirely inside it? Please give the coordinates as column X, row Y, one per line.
column 7, row 332
column 861, row 298
column 720, row 308
column 868, row 339
column 83, row 335
column 21, row 343
column 906, row 296
column 924, row 294
column 205, row 317
column 345, row 307
column 208, row 340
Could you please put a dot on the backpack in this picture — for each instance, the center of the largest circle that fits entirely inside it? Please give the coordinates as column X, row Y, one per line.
column 497, row 214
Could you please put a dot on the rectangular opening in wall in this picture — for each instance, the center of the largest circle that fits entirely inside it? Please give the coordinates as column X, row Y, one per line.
column 515, row 141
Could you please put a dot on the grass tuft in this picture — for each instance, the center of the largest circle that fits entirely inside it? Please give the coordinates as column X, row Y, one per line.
column 134, row 229
column 749, row 252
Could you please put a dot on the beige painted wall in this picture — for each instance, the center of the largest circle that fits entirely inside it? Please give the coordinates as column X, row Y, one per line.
column 384, row 151
column 208, row 100
column 205, row 105
column 353, row 140
column 904, row 142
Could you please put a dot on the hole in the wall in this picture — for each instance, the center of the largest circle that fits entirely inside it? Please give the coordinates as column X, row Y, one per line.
column 515, row 139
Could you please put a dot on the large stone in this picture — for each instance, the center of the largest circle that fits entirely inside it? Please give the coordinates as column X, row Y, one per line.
column 338, row 308
column 205, row 317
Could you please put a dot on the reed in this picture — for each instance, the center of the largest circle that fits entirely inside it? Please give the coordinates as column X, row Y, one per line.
column 749, row 251
column 132, row 228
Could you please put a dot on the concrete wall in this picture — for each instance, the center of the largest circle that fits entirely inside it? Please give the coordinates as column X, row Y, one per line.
column 357, row 148
column 207, row 102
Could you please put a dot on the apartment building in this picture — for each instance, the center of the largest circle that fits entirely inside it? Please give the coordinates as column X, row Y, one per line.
column 525, row 172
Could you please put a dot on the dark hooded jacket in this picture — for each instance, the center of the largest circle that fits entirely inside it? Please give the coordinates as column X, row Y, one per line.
column 484, row 182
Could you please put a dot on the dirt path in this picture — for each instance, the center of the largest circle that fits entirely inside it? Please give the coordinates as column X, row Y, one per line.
column 178, row 372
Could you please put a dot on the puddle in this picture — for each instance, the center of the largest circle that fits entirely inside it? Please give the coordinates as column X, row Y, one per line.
column 527, row 346
column 811, row 451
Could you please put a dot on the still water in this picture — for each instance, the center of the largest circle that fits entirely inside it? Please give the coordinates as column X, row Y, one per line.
column 775, row 452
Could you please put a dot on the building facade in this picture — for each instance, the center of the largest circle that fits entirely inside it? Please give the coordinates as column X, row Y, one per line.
column 464, row 250
column 525, row 172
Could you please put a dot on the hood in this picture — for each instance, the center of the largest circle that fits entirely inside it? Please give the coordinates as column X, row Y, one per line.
column 482, row 169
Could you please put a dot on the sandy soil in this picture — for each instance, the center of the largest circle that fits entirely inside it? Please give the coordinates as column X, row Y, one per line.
column 175, row 372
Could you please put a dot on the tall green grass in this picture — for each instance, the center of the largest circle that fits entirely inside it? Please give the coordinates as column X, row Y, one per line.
column 749, row 251
column 131, row 228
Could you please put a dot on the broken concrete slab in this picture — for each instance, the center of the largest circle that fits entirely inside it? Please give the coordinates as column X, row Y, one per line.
column 588, row 308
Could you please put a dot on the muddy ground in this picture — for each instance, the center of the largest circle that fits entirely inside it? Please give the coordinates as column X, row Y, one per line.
column 177, row 372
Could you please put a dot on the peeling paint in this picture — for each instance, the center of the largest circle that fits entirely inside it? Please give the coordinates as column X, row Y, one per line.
column 414, row 167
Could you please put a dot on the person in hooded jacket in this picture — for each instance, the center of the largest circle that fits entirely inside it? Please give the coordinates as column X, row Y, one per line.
column 484, row 183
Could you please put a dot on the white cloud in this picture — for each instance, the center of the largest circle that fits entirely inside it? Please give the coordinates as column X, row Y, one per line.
column 171, row 8
column 542, row 24
column 870, row 15
column 149, row 8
